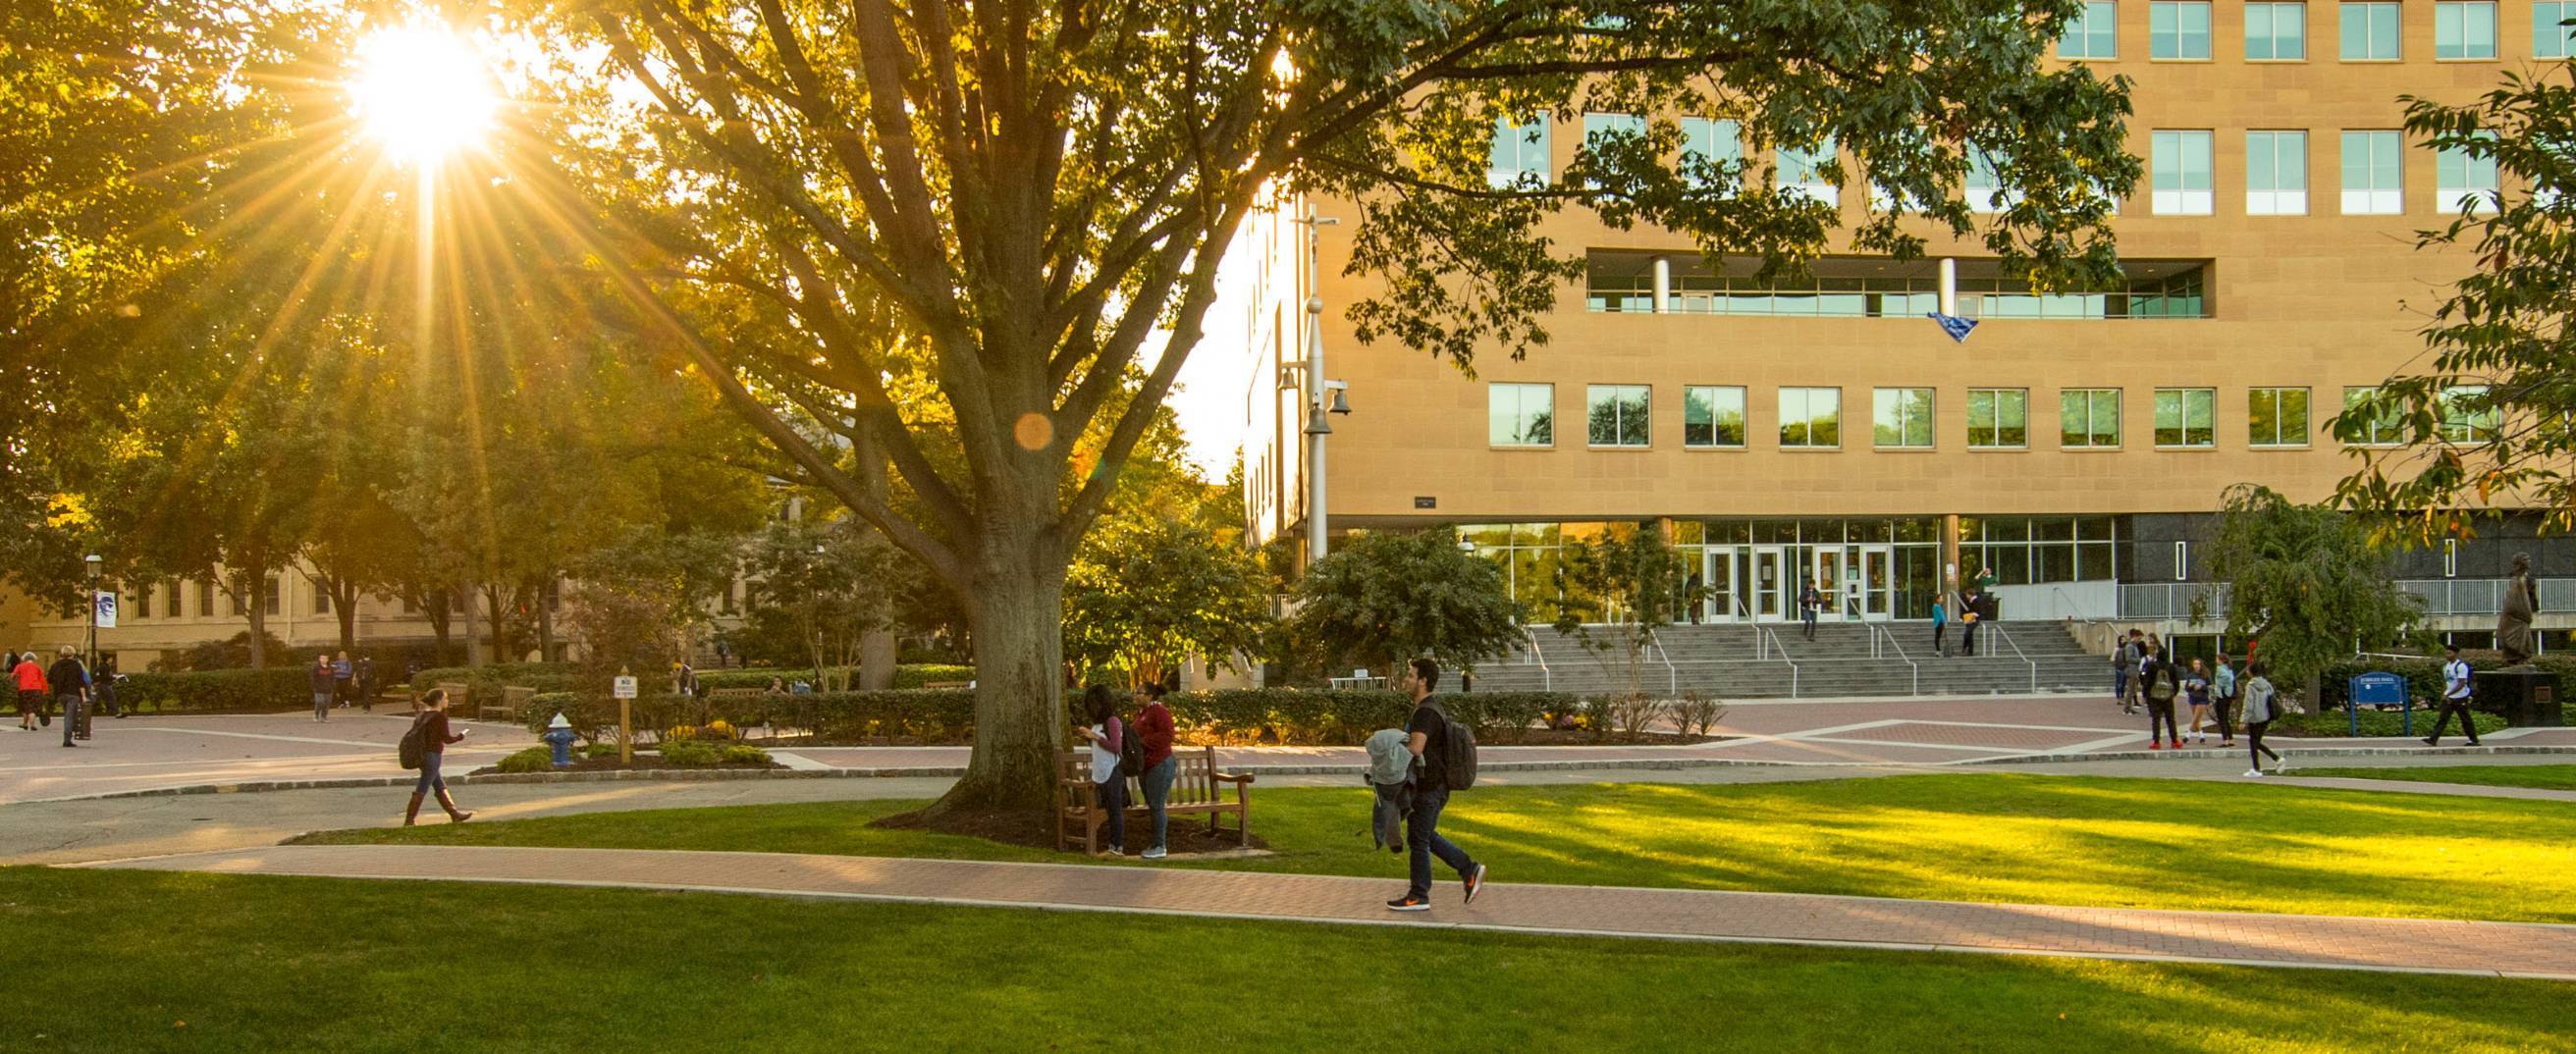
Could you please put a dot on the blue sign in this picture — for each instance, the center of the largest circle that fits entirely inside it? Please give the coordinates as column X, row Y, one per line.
column 1958, row 328
column 2376, row 689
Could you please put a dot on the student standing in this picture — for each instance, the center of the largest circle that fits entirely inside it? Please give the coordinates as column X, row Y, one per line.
column 1154, row 727
column 1940, row 629
column 1810, row 601
column 70, row 681
column 2224, row 689
column 1109, row 789
column 344, row 675
column 432, row 727
column 1968, row 625
column 2262, row 705
column 2455, row 698
column 2195, row 690
column 2163, row 683
column 1427, row 737
column 326, row 687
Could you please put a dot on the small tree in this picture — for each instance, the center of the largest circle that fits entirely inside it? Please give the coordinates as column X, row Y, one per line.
column 2306, row 581
column 1145, row 592
column 1386, row 597
column 1617, row 591
column 626, row 632
column 831, row 586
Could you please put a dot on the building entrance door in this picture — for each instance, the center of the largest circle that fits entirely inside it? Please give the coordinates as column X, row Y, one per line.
column 1773, row 594
column 1723, row 572
column 1878, row 582
column 1835, row 572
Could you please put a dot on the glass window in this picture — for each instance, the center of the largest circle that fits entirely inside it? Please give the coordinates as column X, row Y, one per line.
column 2276, row 173
column 2186, row 417
column 2182, row 174
column 2466, row 418
column 1520, row 414
column 2461, row 180
column 2088, row 418
column 1811, row 417
column 2276, row 417
column 206, row 599
column 275, row 594
column 1985, row 188
column 1615, row 415
column 2177, row 29
column 1520, row 152
column 1713, row 416
column 2276, row 31
column 321, row 600
column 2551, row 36
column 1798, row 171
column 2385, row 428
column 143, row 601
column 2093, row 34
column 1712, row 142
column 1902, row 418
column 2369, row 31
column 2371, row 183
column 2464, row 30
column 1998, row 418
column 1599, row 127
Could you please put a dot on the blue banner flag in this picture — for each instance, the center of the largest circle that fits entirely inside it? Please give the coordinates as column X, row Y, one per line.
column 1953, row 325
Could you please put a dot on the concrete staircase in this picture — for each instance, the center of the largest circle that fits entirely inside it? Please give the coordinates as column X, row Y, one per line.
column 1845, row 659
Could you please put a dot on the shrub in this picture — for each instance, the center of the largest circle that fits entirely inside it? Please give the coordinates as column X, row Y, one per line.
column 217, row 691
column 688, row 753
column 533, row 759
column 2424, row 676
column 2333, row 722
column 1347, row 717
column 1694, row 714
column 742, row 754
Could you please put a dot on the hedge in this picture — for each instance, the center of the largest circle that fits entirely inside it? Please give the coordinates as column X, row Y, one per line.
column 217, row 691
column 1284, row 715
column 2424, row 676
column 2335, row 722
column 487, row 681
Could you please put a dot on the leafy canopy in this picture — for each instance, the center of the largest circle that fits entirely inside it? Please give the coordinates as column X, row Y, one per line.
column 2305, row 581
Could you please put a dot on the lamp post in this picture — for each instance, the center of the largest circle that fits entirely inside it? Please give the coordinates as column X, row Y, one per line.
column 94, row 563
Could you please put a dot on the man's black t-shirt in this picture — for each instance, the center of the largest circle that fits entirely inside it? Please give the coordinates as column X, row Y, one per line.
column 1434, row 726
column 68, row 677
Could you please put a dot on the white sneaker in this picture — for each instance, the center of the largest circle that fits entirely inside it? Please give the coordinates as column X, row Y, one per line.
column 2253, row 774
column 1155, row 853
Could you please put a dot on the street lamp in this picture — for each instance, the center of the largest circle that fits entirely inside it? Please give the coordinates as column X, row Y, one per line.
column 94, row 563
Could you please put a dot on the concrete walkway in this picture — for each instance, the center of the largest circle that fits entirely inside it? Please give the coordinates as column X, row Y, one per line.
column 2403, row 945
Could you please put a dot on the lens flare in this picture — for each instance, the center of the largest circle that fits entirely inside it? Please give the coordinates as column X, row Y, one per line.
column 422, row 91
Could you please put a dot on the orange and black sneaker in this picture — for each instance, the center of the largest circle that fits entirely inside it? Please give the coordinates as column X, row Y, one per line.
column 1475, row 883
column 1409, row 902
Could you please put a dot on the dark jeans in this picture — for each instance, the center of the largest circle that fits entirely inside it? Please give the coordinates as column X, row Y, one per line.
column 2254, row 747
column 71, row 715
column 2225, row 709
column 2120, row 684
column 2460, row 707
column 1939, row 631
column 2160, row 712
column 1810, row 620
column 429, row 777
column 1113, row 800
column 1422, row 839
column 1158, row 793
column 1968, row 640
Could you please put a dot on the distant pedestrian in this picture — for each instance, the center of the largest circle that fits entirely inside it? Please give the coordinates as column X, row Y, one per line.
column 2136, row 688
column 2455, row 698
column 70, row 681
column 2224, row 689
column 2262, row 706
column 1427, row 738
column 1109, row 787
column 326, row 687
column 1154, row 728
column 1940, row 630
column 1810, row 602
column 431, row 726
column 2163, row 683
column 1968, row 625
column 1691, row 598
column 2195, row 690
column 367, row 686
column 344, row 678
column 30, row 680
column 2124, row 668
column 777, row 686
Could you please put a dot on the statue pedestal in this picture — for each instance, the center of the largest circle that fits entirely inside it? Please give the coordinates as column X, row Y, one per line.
column 2526, row 697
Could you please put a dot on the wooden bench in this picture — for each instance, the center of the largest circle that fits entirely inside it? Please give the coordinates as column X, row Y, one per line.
column 946, row 685
column 455, row 690
column 1194, row 792
column 512, row 701
column 737, row 693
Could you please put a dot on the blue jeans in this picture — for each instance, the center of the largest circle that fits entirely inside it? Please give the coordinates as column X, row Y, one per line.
column 72, row 709
column 1422, row 839
column 1113, row 800
column 429, row 777
column 1158, row 793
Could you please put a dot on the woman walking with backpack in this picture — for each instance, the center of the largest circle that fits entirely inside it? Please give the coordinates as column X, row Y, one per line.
column 2262, row 705
column 2162, row 683
column 1109, row 785
column 431, row 729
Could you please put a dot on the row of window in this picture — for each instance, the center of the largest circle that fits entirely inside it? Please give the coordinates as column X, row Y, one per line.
column 1616, row 416
column 2367, row 31
column 138, row 602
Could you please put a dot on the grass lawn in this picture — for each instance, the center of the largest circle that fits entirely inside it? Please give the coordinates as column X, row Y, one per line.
column 1985, row 837
column 2559, row 776
column 208, row 963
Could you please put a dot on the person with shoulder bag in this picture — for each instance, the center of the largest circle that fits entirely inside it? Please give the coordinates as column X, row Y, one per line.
column 1109, row 785
column 2262, row 707
column 2224, row 687
column 1431, row 738
column 430, row 728
column 2163, row 683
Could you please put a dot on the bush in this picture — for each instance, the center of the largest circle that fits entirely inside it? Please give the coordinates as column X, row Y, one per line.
column 1345, row 718
column 2424, row 676
column 2333, row 722
column 217, row 691
column 931, row 715
column 688, row 754
column 741, row 754
column 533, row 759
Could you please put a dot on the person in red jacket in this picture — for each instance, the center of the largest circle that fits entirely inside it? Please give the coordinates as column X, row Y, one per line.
column 1154, row 726
column 432, row 725
column 30, row 679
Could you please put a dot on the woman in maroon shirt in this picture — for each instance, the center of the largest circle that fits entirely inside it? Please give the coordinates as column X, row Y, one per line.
column 1154, row 725
column 431, row 725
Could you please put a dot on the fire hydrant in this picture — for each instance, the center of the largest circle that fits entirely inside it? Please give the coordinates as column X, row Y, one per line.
column 560, row 735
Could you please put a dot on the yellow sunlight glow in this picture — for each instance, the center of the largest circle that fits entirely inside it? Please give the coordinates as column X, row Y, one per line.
column 422, row 91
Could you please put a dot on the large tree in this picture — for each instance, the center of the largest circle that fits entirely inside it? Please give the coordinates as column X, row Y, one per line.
column 2305, row 582
column 942, row 233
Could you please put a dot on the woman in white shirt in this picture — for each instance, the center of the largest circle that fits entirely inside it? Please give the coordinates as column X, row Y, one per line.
column 1106, row 737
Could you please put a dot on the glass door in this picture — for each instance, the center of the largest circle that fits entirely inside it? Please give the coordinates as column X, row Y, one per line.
column 1833, row 580
column 1719, row 573
column 1878, row 582
column 1771, row 587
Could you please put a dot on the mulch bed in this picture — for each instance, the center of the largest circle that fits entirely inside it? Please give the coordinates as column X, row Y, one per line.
column 1535, row 737
column 1037, row 829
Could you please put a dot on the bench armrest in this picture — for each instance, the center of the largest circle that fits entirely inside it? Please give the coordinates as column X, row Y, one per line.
column 1230, row 777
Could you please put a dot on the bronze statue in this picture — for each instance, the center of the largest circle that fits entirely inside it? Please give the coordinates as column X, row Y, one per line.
column 2513, row 625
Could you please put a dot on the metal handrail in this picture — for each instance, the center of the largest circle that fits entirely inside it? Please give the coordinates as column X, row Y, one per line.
column 1998, row 629
column 1879, row 629
column 1783, row 649
column 2055, row 592
column 1672, row 676
column 1546, row 681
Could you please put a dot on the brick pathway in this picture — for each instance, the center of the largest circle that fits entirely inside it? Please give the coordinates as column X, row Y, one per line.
column 2409, row 945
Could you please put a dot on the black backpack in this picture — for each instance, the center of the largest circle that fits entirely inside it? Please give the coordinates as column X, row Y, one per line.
column 415, row 746
column 1131, row 752
column 1457, row 752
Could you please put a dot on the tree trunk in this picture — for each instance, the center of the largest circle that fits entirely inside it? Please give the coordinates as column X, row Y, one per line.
column 473, row 634
column 1016, row 610
column 254, row 591
column 344, row 603
column 441, row 621
column 500, row 624
column 546, row 623
column 878, row 656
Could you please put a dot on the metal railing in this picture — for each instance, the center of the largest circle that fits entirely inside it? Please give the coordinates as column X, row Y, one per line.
column 1775, row 645
column 1879, row 631
column 1672, row 676
column 1998, row 630
column 2458, row 596
column 1546, row 683
column 2056, row 593
column 2171, row 601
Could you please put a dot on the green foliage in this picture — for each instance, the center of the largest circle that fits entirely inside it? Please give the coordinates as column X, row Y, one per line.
column 1146, row 591
column 688, row 753
column 2490, row 414
column 823, row 588
column 533, row 759
column 217, row 691
column 2306, row 581
column 2321, row 721
column 1616, row 590
column 742, row 754
column 1385, row 597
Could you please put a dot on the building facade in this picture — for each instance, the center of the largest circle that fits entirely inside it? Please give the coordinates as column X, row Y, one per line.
column 2075, row 446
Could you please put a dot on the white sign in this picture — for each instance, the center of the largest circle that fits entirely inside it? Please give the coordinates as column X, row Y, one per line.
column 624, row 688
column 106, row 607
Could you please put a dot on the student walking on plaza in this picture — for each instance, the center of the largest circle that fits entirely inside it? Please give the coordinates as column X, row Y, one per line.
column 2224, row 689
column 2162, row 683
column 1427, row 737
column 1109, row 788
column 1810, row 601
column 431, row 727
column 2262, row 705
column 343, row 675
column 2195, row 690
column 2136, row 652
column 1154, row 728
column 1940, row 629
column 2455, row 698
column 2124, row 669
column 70, row 681
column 326, row 687
column 30, row 681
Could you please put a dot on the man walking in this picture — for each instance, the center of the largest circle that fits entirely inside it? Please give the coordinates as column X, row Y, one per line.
column 2222, row 683
column 1810, row 601
column 2455, row 698
column 1427, row 737
column 71, row 689
column 2136, row 661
